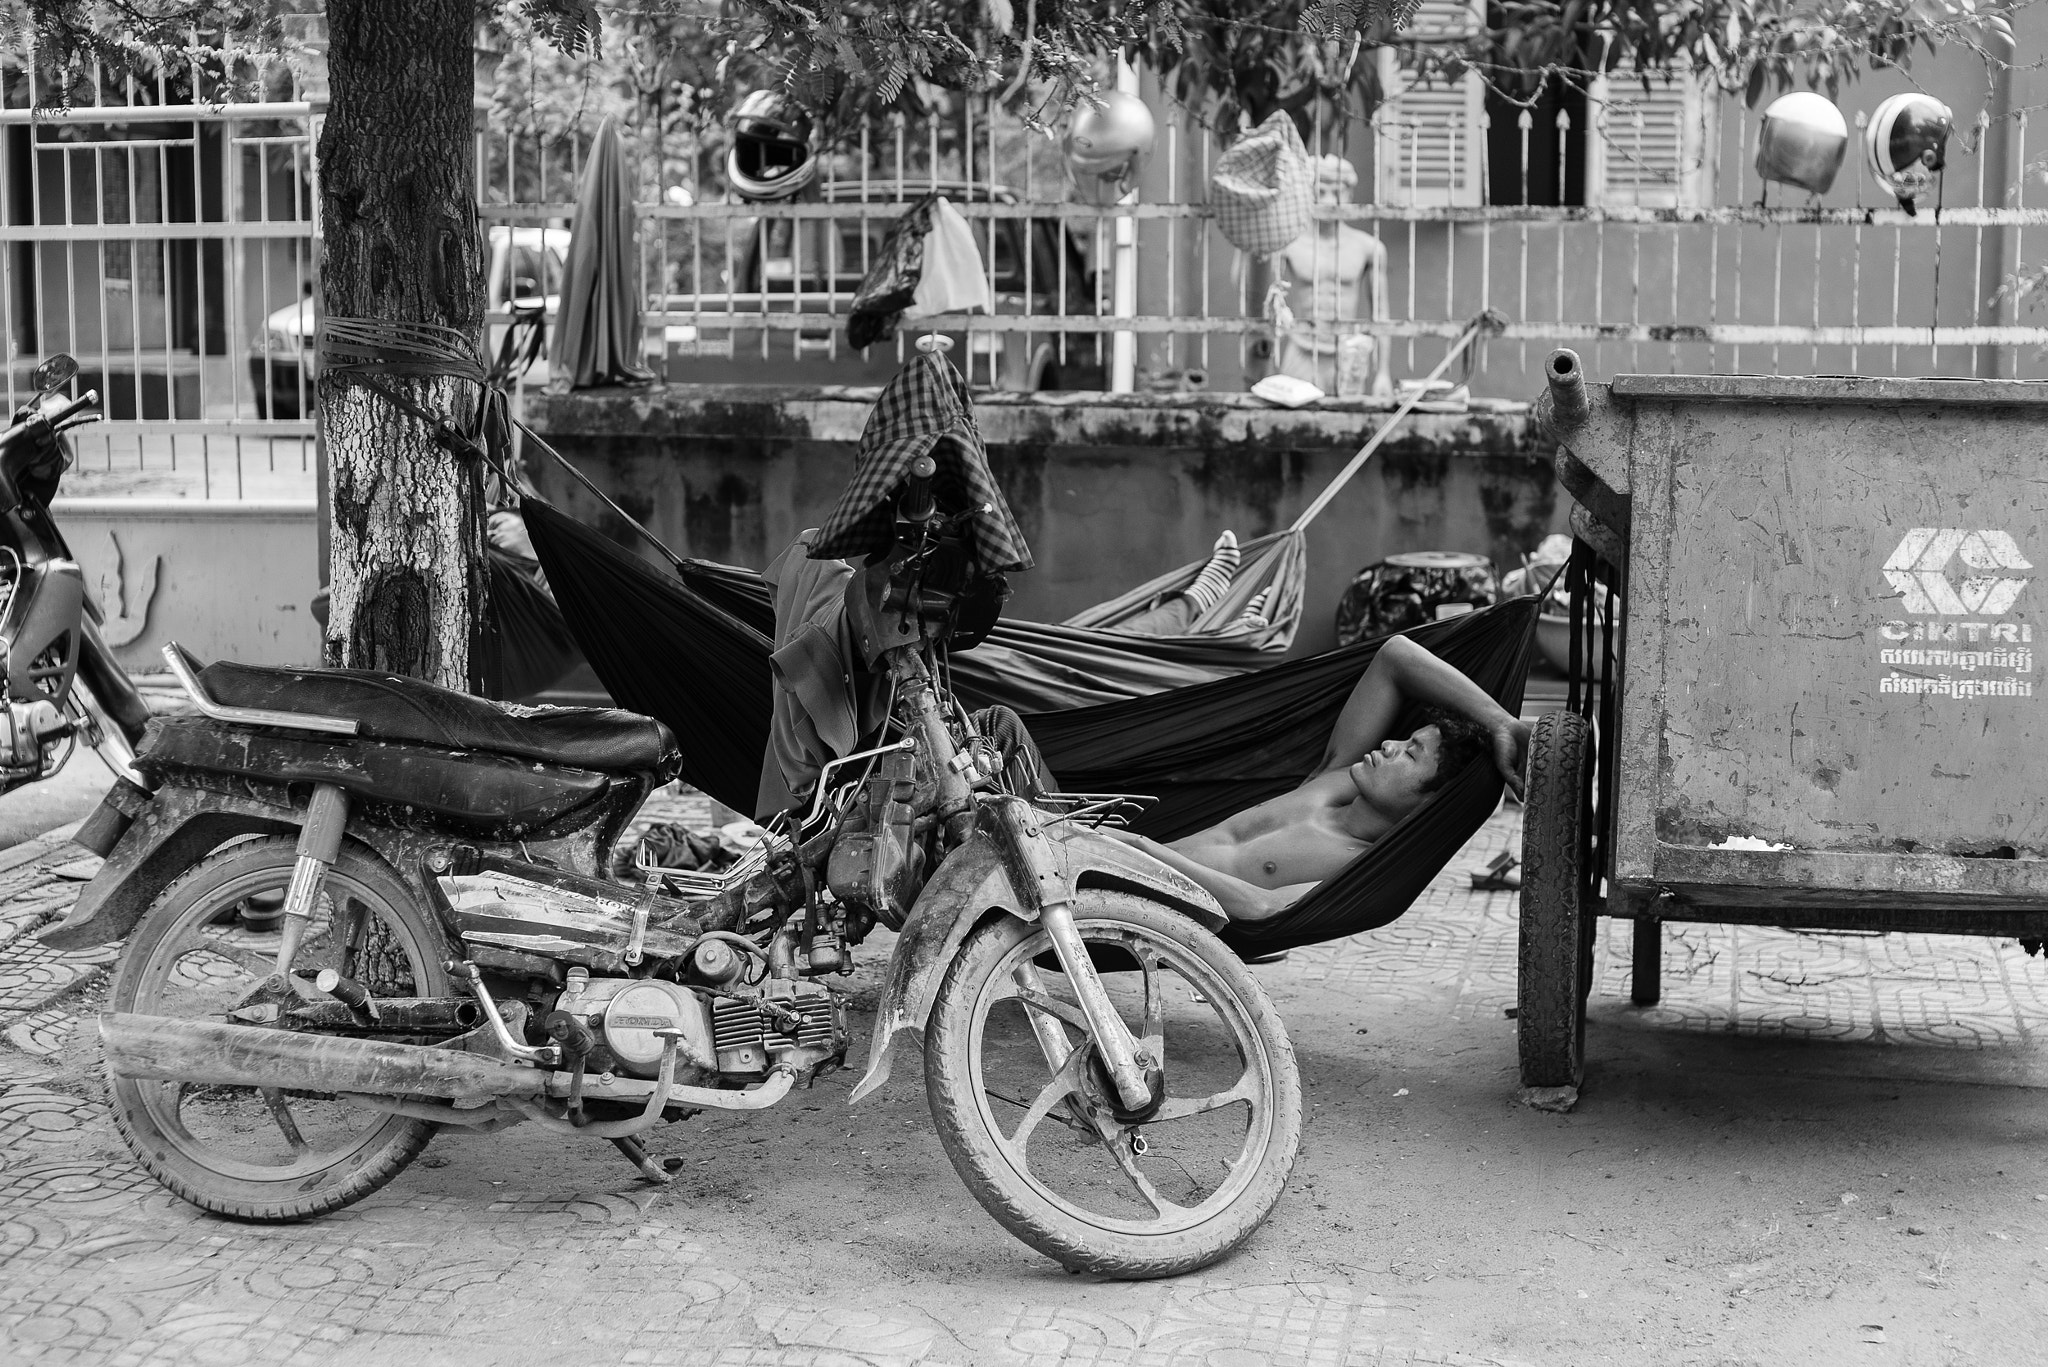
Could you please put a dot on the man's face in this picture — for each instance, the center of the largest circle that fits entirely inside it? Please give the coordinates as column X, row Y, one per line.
column 1393, row 778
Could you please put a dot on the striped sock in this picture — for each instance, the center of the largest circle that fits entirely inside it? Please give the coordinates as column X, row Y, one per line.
column 1253, row 618
column 1214, row 580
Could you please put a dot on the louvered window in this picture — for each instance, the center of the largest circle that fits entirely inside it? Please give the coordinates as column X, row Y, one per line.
column 1428, row 135
column 1649, row 148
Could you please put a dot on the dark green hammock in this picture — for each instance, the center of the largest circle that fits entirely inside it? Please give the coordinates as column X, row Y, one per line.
column 694, row 655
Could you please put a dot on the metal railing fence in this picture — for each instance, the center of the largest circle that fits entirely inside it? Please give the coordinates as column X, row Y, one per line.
column 1678, row 258
column 170, row 245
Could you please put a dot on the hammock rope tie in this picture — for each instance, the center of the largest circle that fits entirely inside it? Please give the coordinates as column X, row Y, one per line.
column 1487, row 323
column 366, row 351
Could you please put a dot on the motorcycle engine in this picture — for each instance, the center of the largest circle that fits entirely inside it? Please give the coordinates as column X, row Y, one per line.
column 624, row 1013
column 745, row 1032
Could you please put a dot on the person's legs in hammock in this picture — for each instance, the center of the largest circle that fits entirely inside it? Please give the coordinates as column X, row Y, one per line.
column 1177, row 611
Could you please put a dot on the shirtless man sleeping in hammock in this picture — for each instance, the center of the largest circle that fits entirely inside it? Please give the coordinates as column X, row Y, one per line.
column 1263, row 860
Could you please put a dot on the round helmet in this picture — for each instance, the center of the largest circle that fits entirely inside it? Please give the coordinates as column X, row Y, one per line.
column 770, row 156
column 1802, row 141
column 1107, row 146
column 1908, row 143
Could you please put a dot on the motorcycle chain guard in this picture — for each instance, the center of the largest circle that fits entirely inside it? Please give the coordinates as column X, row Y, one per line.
column 976, row 882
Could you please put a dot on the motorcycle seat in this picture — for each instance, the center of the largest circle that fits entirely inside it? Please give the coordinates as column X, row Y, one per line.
column 393, row 708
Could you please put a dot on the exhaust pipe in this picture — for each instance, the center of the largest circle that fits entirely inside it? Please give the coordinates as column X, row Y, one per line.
column 1569, row 407
column 166, row 1049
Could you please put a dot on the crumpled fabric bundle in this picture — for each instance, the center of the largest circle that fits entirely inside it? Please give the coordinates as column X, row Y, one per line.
column 923, row 410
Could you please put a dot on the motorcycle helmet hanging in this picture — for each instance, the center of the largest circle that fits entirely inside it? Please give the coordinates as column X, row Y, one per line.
column 1907, row 142
column 771, row 156
column 1802, row 142
column 1107, row 146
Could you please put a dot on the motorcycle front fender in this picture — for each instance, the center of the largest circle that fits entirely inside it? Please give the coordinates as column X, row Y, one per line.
column 973, row 884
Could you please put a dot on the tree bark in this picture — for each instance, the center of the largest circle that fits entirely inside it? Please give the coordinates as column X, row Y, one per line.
column 401, row 243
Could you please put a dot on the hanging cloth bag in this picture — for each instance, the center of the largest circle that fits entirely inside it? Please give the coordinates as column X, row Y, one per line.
column 1263, row 190
column 891, row 283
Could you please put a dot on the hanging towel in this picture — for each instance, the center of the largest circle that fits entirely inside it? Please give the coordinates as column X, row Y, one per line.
column 597, row 336
column 953, row 280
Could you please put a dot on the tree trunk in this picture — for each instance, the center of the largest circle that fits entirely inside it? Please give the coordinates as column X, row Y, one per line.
column 401, row 243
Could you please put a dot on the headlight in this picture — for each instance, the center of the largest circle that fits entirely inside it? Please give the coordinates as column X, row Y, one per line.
column 278, row 343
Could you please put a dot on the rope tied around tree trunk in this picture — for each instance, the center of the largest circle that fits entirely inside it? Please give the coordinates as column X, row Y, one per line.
column 363, row 350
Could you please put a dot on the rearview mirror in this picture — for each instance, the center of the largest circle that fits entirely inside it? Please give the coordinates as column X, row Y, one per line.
column 54, row 373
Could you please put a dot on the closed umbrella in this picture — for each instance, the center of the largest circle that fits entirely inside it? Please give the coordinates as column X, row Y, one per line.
column 597, row 335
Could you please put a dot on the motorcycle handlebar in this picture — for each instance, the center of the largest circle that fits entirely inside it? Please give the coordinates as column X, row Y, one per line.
column 916, row 503
column 56, row 418
column 89, row 399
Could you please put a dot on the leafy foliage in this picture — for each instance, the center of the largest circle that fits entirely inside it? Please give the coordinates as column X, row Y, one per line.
column 1227, row 60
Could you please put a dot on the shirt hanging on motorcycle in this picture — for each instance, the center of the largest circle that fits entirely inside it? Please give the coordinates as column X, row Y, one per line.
column 824, row 700
column 923, row 411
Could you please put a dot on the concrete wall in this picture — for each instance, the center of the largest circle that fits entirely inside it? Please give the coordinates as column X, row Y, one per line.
column 226, row 579
column 1109, row 490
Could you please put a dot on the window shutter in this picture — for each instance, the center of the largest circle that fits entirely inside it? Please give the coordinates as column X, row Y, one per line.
column 1429, row 136
column 1649, row 148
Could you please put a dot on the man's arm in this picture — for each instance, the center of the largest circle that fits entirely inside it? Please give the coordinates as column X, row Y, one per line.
column 1401, row 672
column 1241, row 901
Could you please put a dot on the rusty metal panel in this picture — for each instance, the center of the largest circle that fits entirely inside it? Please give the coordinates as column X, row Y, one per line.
column 1832, row 641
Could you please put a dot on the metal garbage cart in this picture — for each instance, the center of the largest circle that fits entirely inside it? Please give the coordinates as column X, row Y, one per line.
column 1823, row 709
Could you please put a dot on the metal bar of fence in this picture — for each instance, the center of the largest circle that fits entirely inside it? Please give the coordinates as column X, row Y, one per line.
column 212, row 230
column 541, row 214
column 255, row 429
column 1748, row 334
column 55, row 116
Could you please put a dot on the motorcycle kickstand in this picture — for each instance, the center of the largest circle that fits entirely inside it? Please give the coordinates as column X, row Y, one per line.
column 636, row 1154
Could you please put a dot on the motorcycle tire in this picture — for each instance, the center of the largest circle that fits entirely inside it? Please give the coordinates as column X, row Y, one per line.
column 1252, row 1124
column 268, row 1155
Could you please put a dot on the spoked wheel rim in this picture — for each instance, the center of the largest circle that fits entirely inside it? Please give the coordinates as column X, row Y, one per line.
column 197, row 970
column 1074, row 1095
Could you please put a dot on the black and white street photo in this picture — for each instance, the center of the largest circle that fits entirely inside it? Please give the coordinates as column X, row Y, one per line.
column 1217, row 683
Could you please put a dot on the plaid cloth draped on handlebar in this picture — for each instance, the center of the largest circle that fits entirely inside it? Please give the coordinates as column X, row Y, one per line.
column 925, row 409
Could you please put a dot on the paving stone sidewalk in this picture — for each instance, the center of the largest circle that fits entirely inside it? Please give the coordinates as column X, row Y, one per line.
column 529, row 1254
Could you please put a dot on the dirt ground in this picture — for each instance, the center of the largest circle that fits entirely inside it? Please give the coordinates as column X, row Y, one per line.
column 1818, row 1149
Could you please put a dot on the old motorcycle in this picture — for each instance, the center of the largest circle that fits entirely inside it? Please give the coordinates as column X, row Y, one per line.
column 60, row 688
column 1105, row 1076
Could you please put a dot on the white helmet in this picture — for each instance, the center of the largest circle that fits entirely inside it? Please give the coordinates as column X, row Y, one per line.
column 1107, row 146
column 1802, row 141
column 771, row 147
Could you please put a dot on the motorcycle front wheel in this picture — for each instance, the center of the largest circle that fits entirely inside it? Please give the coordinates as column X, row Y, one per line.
column 1028, row 1115
column 267, row 1153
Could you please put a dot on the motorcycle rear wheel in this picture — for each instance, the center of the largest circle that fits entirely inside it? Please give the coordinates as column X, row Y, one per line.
column 1007, row 1036
column 267, row 1155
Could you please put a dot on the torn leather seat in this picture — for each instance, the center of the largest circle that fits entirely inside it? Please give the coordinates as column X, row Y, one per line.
column 388, row 707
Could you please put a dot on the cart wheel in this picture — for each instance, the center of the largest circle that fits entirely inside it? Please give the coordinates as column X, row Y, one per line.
column 1553, row 973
